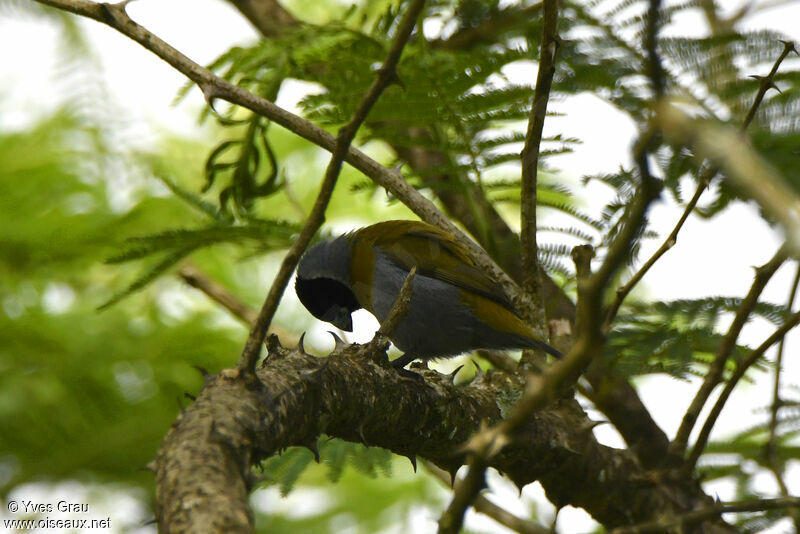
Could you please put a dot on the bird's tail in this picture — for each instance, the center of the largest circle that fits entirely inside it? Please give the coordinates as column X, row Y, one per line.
column 541, row 345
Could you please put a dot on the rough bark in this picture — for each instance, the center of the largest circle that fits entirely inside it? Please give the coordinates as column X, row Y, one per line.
column 203, row 467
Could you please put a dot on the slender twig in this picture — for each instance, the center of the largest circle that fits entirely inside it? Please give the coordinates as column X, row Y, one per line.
column 715, row 369
column 705, row 179
column 387, row 74
column 771, row 448
column 222, row 296
column 215, row 87
column 696, row 516
column 767, row 82
column 738, row 373
column 219, row 294
column 490, row 509
column 400, row 306
column 532, row 280
column 465, row 492
column 380, row 341
column 668, row 243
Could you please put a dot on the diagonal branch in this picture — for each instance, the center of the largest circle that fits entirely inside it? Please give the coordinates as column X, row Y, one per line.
column 387, row 74
column 215, row 87
column 488, row 508
column 726, row 346
column 542, row 389
column 738, row 373
column 219, row 294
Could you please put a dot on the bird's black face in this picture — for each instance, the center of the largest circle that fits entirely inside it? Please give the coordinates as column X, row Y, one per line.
column 339, row 317
column 328, row 300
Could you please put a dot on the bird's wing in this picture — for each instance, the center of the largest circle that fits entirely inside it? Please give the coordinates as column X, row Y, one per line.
column 436, row 254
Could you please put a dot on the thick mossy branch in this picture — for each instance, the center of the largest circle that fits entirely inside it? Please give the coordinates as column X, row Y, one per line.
column 204, row 464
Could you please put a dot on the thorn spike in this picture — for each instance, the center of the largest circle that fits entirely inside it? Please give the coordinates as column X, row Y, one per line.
column 479, row 374
column 337, row 341
column 312, row 446
column 413, row 459
column 454, row 373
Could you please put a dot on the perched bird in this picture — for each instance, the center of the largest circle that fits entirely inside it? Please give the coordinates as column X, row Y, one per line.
column 454, row 308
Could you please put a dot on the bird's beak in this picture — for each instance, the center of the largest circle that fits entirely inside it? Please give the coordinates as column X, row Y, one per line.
column 343, row 320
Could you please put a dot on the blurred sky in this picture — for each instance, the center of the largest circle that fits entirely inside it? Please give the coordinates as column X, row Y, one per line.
column 711, row 258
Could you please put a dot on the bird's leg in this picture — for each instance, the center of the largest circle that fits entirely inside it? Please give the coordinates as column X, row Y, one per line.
column 402, row 361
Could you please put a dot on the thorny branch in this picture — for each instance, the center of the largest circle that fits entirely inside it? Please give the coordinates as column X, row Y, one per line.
column 203, row 466
column 245, row 313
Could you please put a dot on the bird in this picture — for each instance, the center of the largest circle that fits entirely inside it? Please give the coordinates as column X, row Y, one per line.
column 455, row 307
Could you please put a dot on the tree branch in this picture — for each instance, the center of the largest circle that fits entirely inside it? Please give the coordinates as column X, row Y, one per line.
column 532, row 280
column 490, row 509
column 715, row 369
column 203, row 465
column 545, row 388
column 198, row 280
column 738, row 373
column 771, row 448
column 222, row 296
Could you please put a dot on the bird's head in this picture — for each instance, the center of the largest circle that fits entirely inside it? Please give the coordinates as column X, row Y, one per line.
column 323, row 283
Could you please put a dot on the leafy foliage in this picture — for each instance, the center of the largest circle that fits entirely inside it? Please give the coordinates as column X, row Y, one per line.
column 678, row 337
